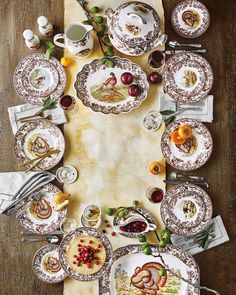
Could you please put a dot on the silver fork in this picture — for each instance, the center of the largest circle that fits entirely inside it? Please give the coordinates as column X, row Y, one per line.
column 24, row 207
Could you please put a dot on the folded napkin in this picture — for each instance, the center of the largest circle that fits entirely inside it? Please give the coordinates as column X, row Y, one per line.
column 17, row 112
column 205, row 115
column 15, row 186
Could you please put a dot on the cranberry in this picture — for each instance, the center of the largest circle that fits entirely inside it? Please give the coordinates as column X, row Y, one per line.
column 113, row 233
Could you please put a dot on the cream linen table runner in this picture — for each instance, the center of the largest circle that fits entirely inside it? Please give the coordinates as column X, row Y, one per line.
column 111, row 153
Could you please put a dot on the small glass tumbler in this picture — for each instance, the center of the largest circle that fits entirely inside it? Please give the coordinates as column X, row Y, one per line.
column 69, row 104
column 156, row 60
column 68, row 224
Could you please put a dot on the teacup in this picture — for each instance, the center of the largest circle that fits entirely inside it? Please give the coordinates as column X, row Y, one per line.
column 77, row 39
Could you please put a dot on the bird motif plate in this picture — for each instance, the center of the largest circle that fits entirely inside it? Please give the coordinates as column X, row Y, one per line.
column 134, row 273
column 186, row 209
column 100, row 87
column 36, row 138
column 190, row 19
column 187, row 77
column 36, row 78
column 46, row 265
column 192, row 154
column 85, row 254
column 40, row 217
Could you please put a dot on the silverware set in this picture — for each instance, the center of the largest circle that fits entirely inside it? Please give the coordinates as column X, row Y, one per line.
column 177, row 178
column 183, row 48
column 52, row 238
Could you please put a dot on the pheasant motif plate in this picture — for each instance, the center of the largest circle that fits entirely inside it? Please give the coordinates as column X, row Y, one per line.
column 46, row 265
column 134, row 273
column 190, row 19
column 186, row 209
column 194, row 153
column 40, row 217
column 187, row 77
column 100, row 88
column 36, row 78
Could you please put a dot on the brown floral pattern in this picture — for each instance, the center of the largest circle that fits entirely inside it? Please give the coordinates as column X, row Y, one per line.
column 205, row 149
column 53, row 130
column 82, row 231
column 174, row 64
column 192, row 269
column 83, row 92
column 204, row 213
column 188, row 5
column 48, row 227
column 38, row 97
column 37, row 265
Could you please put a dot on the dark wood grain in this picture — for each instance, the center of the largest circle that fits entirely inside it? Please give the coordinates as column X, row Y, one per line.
column 218, row 264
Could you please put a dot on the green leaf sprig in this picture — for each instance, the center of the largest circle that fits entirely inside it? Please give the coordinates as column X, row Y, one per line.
column 168, row 116
column 203, row 237
column 50, row 49
column 48, row 104
column 97, row 22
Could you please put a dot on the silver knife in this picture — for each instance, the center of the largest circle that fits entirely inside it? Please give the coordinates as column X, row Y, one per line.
column 176, row 51
column 173, row 181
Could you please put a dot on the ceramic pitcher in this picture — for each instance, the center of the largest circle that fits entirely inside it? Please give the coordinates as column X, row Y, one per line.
column 77, row 39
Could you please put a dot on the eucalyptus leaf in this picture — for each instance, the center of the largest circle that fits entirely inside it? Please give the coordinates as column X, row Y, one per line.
column 48, row 104
column 169, row 120
column 167, row 112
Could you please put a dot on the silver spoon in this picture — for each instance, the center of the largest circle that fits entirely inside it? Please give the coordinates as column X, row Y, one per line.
column 175, row 44
column 49, row 239
column 175, row 175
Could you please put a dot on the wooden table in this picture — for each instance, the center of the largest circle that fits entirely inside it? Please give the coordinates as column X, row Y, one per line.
column 217, row 265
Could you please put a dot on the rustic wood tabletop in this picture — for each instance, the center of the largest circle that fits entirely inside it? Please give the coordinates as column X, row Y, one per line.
column 217, row 265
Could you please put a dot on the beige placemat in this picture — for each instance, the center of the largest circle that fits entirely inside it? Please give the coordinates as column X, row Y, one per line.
column 111, row 153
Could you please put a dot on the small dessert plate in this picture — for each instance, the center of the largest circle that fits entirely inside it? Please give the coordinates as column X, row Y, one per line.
column 194, row 153
column 40, row 217
column 36, row 138
column 190, row 19
column 187, row 77
column 134, row 215
column 46, row 265
column 186, row 209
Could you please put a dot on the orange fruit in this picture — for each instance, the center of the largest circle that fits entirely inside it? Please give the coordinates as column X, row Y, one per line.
column 156, row 168
column 176, row 138
column 66, row 61
column 185, row 131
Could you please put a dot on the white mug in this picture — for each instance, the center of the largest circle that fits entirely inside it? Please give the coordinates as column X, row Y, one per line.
column 77, row 39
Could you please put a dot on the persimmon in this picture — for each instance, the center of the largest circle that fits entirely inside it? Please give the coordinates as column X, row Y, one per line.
column 176, row 138
column 156, row 168
column 185, row 131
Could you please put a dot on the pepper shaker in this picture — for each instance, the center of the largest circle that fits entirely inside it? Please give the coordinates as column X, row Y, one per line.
column 32, row 41
column 45, row 27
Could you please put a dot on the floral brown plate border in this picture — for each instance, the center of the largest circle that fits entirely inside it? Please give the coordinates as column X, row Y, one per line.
column 65, row 244
column 186, row 228
column 44, row 228
column 38, row 99
column 179, row 163
column 48, row 162
column 36, row 264
column 172, row 89
column 189, row 33
column 122, row 63
column 186, row 258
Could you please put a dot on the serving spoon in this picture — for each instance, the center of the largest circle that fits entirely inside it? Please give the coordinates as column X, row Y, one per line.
column 175, row 44
column 49, row 239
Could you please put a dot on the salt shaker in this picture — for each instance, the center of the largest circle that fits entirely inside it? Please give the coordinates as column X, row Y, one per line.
column 45, row 27
column 31, row 40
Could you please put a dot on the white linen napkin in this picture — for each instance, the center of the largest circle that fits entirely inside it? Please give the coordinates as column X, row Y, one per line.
column 14, row 186
column 23, row 110
column 205, row 115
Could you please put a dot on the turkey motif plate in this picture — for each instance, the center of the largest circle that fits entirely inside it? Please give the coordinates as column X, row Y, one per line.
column 40, row 217
column 186, row 209
column 100, row 88
column 35, row 138
column 196, row 150
column 134, row 273
column 36, row 78
column 187, row 77
column 46, row 265
column 190, row 19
